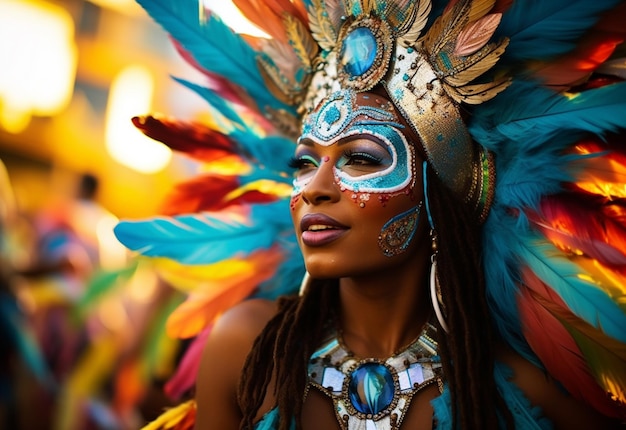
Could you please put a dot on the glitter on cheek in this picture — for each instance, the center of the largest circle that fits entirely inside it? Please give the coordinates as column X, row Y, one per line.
column 294, row 201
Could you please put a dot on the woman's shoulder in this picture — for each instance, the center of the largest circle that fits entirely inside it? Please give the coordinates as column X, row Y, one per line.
column 223, row 360
column 245, row 319
column 236, row 329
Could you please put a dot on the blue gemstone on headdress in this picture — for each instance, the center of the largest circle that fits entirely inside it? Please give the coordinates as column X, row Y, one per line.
column 371, row 388
column 358, row 51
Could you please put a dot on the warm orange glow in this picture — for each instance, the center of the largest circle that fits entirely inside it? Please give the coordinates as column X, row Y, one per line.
column 233, row 17
column 40, row 56
column 131, row 95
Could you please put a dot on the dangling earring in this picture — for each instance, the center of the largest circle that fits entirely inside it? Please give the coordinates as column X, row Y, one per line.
column 435, row 289
column 304, row 284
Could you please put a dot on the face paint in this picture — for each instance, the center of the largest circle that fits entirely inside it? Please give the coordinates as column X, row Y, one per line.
column 343, row 118
column 395, row 236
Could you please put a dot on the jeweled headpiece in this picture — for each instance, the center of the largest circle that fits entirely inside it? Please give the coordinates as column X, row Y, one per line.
column 362, row 44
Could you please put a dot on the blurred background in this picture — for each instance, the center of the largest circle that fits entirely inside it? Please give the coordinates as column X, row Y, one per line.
column 81, row 321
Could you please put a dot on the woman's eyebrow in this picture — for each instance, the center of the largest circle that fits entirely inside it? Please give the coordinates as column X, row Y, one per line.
column 306, row 142
column 367, row 137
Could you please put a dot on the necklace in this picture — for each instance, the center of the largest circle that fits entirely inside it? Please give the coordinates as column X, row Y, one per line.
column 373, row 394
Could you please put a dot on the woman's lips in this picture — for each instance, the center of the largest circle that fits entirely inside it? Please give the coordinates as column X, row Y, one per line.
column 319, row 229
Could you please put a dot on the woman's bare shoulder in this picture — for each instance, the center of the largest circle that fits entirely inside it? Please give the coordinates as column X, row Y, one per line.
column 222, row 362
column 563, row 410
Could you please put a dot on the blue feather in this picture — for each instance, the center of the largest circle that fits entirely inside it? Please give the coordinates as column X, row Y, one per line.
column 207, row 238
column 273, row 152
column 582, row 297
column 541, row 29
column 500, row 240
column 213, row 45
column 289, row 274
column 540, row 114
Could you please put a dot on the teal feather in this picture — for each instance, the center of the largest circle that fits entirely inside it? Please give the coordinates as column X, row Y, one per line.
column 207, row 237
column 14, row 327
column 540, row 29
column 540, row 114
column 101, row 283
column 530, row 137
column 582, row 297
column 213, row 45
column 500, row 240
column 273, row 152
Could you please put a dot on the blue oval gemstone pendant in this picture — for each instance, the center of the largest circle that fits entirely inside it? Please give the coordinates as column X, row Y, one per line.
column 371, row 388
column 359, row 51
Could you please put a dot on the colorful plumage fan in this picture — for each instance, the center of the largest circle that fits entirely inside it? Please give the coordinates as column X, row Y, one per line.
column 554, row 241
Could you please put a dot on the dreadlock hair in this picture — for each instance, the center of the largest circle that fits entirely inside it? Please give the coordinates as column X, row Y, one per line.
column 467, row 350
column 283, row 350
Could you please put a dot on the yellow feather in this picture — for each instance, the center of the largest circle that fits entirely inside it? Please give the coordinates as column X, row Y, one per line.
column 476, row 94
column 611, row 282
column 479, row 8
column 322, row 28
column 301, row 41
column 189, row 278
column 171, row 417
column 419, row 16
column 265, row 186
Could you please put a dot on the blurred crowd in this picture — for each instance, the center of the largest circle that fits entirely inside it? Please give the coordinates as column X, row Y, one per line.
column 81, row 322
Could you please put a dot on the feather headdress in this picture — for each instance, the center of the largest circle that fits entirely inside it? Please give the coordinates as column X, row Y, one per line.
column 542, row 83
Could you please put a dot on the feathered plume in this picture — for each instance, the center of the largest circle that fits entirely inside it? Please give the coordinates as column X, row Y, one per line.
column 213, row 45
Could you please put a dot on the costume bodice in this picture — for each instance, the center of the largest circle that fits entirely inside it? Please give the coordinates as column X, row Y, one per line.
column 369, row 405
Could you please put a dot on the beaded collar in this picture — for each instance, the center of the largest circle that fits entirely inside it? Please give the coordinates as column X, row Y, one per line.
column 373, row 394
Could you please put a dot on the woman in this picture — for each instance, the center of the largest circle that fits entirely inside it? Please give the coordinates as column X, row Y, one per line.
column 432, row 293
column 381, row 301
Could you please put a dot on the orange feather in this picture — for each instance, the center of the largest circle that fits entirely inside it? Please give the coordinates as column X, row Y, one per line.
column 555, row 346
column 213, row 298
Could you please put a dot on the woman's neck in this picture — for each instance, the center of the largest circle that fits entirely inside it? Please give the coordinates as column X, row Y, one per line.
column 382, row 313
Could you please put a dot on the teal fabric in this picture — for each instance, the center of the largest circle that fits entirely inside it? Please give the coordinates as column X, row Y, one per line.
column 526, row 416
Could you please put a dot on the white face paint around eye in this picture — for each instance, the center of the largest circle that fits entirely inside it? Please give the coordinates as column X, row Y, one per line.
column 377, row 158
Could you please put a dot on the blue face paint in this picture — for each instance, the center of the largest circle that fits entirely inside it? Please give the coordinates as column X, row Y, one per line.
column 341, row 119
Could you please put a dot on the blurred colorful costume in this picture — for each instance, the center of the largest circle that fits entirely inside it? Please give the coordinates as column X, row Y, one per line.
column 520, row 106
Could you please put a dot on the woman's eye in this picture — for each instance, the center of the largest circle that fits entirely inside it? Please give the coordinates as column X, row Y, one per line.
column 303, row 164
column 361, row 159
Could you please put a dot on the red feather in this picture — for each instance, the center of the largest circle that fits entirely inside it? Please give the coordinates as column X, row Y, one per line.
column 575, row 225
column 595, row 48
column 555, row 346
column 196, row 140
column 210, row 193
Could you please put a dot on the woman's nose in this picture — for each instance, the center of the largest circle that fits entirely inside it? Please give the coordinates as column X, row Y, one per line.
column 322, row 187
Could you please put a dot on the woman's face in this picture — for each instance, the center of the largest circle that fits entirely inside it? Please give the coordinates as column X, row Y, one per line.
column 357, row 188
